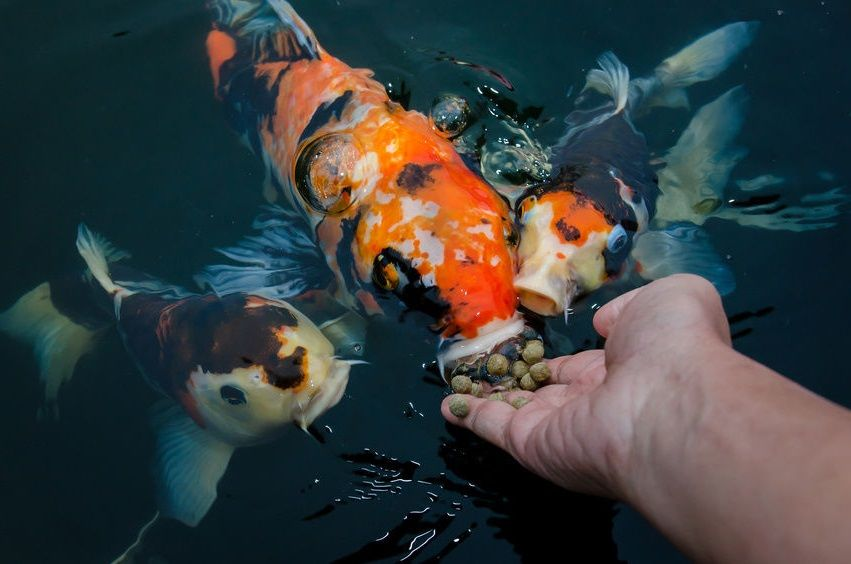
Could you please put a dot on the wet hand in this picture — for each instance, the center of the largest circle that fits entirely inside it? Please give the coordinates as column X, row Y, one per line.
column 587, row 428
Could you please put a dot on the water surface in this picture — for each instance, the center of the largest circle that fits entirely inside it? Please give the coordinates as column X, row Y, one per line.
column 109, row 118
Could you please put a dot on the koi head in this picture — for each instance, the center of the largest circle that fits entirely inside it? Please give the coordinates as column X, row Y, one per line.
column 568, row 246
column 398, row 212
column 257, row 365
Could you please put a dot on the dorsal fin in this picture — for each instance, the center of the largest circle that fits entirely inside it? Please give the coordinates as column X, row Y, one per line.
column 611, row 79
column 272, row 28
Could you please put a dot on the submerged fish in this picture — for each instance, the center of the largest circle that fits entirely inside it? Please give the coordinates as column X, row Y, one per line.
column 605, row 207
column 390, row 203
column 239, row 368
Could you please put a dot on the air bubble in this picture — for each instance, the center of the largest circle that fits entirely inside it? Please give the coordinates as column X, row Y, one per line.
column 449, row 115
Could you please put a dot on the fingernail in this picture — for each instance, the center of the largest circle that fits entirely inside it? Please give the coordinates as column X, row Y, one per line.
column 459, row 407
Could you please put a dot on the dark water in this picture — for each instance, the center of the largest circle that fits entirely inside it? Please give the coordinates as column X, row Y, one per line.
column 108, row 118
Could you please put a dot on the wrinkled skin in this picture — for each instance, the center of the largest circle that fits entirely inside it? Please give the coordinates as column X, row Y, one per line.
column 580, row 431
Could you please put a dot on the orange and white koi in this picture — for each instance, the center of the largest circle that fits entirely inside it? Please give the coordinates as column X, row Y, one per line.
column 392, row 206
column 604, row 204
column 604, row 207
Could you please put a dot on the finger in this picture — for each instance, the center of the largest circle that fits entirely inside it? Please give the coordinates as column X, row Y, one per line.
column 608, row 315
column 486, row 418
column 492, row 419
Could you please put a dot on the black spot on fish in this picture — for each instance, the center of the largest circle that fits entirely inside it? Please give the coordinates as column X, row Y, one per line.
column 568, row 232
column 414, row 176
column 629, row 225
column 233, row 395
column 271, row 100
column 289, row 371
column 248, row 98
column 414, row 293
column 172, row 338
column 324, row 113
column 121, row 33
column 82, row 300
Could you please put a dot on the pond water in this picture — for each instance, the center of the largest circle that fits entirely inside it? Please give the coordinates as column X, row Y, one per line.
column 109, row 118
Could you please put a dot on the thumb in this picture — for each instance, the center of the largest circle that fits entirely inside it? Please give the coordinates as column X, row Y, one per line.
column 609, row 314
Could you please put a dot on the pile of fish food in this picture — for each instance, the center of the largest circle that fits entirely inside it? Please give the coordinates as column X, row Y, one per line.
column 516, row 364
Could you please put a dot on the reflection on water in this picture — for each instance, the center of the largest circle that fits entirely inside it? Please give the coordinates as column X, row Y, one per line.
column 110, row 119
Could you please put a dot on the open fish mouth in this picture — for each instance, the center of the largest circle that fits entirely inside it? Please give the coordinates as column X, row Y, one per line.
column 490, row 356
column 329, row 394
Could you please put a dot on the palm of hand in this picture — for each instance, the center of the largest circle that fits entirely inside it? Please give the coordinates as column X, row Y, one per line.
column 578, row 431
column 559, row 432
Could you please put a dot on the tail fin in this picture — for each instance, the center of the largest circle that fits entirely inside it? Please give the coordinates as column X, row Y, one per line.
column 699, row 165
column 98, row 253
column 57, row 341
column 272, row 30
column 700, row 61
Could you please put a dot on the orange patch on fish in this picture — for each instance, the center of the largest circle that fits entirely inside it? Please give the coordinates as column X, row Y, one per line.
column 221, row 48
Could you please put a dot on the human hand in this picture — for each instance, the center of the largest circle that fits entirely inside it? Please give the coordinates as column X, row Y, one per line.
column 585, row 430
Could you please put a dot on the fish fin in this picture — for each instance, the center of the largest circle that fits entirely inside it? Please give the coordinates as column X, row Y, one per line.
column 98, row 254
column 707, row 57
column 781, row 217
column 611, row 79
column 678, row 249
column 154, row 286
column 57, row 341
column 698, row 167
column 347, row 333
column 282, row 261
column 272, row 29
column 189, row 464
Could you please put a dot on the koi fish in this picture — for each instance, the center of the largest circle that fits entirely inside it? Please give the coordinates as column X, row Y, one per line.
column 239, row 369
column 604, row 206
column 390, row 203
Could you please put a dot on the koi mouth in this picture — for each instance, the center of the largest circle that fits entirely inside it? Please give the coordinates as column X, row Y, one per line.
column 470, row 356
column 547, row 295
column 330, row 393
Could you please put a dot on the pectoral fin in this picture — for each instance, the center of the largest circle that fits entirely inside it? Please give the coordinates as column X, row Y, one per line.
column 280, row 262
column 190, row 461
column 347, row 333
column 679, row 249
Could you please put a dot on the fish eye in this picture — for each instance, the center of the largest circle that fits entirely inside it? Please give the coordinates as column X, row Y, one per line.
column 233, row 395
column 617, row 239
column 449, row 115
column 323, row 172
column 385, row 274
